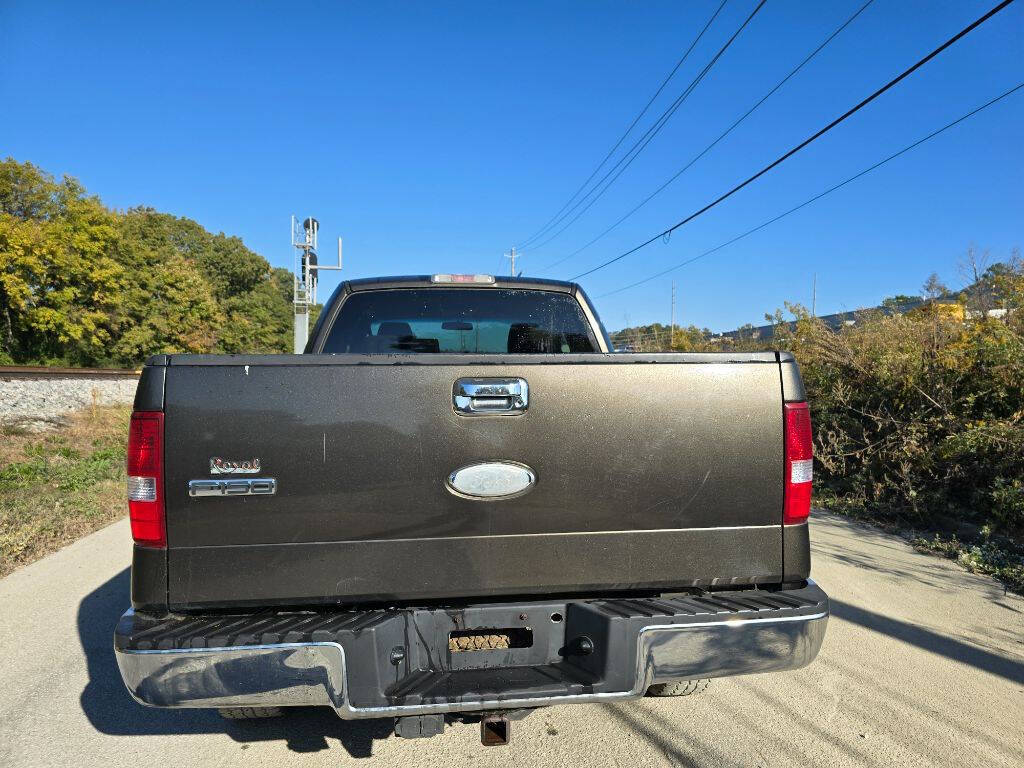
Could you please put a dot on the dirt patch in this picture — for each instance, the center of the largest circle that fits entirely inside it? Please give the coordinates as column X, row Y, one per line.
column 974, row 548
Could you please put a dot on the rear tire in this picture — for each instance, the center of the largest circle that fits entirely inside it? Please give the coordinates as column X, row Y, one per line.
column 249, row 713
column 678, row 688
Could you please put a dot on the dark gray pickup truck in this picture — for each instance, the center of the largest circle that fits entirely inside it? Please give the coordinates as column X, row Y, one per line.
column 460, row 504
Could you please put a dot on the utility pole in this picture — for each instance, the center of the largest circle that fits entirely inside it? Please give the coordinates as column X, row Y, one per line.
column 511, row 256
column 814, row 293
column 672, row 324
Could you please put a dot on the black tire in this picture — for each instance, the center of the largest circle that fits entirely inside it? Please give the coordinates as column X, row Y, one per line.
column 249, row 713
column 678, row 688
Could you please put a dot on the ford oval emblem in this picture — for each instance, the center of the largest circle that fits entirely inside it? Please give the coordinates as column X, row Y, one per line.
column 492, row 480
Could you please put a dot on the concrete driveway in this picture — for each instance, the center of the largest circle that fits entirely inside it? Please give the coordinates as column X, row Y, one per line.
column 923, row 664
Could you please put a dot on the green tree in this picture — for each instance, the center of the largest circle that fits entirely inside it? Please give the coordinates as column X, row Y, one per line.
column 61, row 274
column 899, row 301
column 261, row 319
column 26, row 192
column 229, row 266
column 167, row 310
column 82, row 284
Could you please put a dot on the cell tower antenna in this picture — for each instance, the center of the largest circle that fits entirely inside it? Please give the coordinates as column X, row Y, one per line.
column 304, row 240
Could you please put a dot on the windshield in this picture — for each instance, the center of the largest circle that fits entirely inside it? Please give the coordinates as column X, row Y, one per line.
column 463, row 320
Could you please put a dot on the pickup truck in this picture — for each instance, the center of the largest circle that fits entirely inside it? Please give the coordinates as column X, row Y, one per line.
column 460, row 505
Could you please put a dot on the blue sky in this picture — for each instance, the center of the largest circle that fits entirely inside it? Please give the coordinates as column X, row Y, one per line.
column 434, row 136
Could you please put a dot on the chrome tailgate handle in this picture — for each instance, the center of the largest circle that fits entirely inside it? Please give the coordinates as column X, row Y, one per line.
column 483, row 397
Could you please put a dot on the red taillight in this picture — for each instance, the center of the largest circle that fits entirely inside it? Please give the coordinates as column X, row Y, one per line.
column 799, row 464
column 146, row 478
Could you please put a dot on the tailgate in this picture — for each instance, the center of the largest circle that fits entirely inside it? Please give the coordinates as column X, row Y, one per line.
column 650, row 473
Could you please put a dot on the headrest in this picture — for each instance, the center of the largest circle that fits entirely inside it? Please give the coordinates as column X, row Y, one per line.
column 394, row 329
column 525, row 339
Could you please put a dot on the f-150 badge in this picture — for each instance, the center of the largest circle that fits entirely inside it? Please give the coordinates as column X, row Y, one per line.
column 258, row 486
column 219, row 466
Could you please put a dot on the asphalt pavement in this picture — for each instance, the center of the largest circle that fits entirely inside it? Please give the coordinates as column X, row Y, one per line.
column 923, row 664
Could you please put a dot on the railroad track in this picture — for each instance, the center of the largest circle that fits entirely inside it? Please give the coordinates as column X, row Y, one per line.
column 8, row 372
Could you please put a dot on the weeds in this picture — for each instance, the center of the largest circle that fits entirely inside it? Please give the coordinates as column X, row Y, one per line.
column 919, row 419
column 58, row 486
column 918, row 415
column 1003, row 561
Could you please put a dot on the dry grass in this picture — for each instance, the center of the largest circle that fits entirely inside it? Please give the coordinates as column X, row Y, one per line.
column 58, row 486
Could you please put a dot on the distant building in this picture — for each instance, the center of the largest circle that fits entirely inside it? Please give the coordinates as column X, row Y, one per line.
column 838, row 320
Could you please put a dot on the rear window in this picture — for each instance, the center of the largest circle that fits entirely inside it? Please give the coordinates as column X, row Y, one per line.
column 464, row 320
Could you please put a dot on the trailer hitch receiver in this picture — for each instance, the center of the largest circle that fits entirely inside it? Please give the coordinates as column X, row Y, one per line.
column 495, row 731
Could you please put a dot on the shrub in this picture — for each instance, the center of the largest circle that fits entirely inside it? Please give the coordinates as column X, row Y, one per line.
column 921, row 416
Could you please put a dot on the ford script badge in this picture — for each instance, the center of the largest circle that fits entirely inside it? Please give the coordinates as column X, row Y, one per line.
column 492, row 480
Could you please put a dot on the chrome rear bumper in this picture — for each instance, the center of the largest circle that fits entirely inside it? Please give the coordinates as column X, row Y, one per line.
column 315, row 673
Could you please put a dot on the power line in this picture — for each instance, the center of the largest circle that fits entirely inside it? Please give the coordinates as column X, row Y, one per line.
column 640, row 144
column 632, row 125
column 725, row 133
column 856, row 108
column 618, row 169
column 820, row 195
